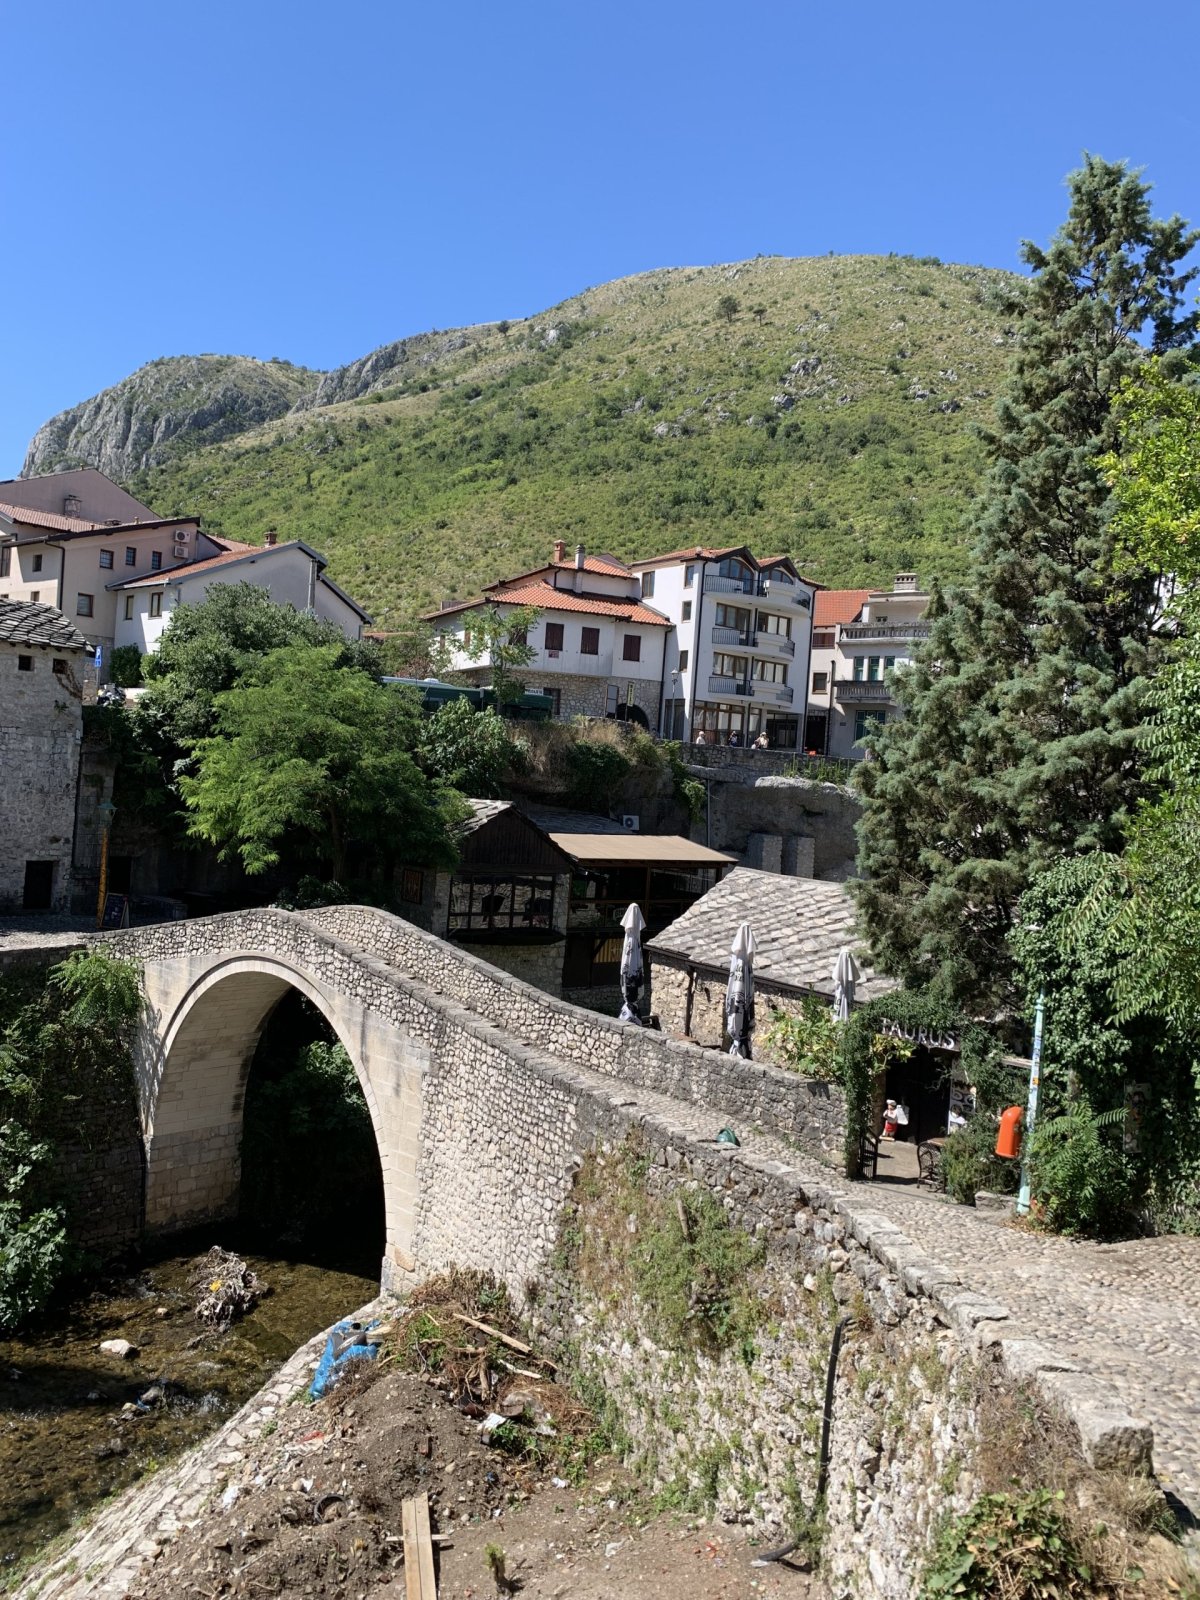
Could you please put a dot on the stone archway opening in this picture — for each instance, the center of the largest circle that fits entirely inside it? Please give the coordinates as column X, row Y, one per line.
column 311, row 1179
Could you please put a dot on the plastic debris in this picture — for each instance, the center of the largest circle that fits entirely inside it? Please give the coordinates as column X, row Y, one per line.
column 348, row 1341
column 727, row 1136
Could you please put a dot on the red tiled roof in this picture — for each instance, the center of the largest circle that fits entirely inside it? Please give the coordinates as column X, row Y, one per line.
column 832, row 606
column 233, row 552
column 47, row 519
column 695, row 553
column 532, row 592
column 609, row 566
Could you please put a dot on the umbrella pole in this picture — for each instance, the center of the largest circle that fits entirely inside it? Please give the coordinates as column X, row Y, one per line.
column 1035, row 1078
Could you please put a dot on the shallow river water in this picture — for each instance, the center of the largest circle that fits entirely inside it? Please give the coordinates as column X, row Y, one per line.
column 65, row 1443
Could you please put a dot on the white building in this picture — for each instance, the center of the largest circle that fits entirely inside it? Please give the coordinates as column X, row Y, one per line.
column 738, row 660
column 860, row 637
column 599, row 650
column 77, row 541
column 292, row 574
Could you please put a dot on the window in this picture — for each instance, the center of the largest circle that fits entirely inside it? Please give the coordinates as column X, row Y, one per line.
column 888, row 663
column 554, row 636
column 5, row 561
column 632, row 648
column 35, row 595
column 727, row 666
column 60, row 666
column 780, row 626
column 820, row 682
column 687, row 611
column 733, row 617
column 611, row 700
column 37, row 563
column 156, row 603
column 519, row 636
column 106, row 559
column 589, row 642
column 735, row 567
column 24, row 663
column 130, row 556
column 770, row 672
column 555, row 698
column 485, row 904
column 859, row 664
column 873, row 669
column 128, row 608
column 83, row 605
column 412, row 885
column 647, row 583
column 822, row 639
column 864, row 721
column 689, row 577
column 683, row 661
column 156, row 561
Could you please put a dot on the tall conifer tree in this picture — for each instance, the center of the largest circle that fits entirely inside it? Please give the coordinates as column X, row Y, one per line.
column 1019, row 739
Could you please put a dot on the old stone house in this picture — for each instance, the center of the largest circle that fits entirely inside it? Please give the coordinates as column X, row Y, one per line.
column 800, row 925
column 41, row 719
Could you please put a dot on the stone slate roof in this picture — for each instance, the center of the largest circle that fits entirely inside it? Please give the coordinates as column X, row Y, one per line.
column 800, row 925
column 22, row 622
column 556, row 819
column 482, row 812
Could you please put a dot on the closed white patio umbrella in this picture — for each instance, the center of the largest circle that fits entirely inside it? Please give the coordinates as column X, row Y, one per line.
column 845, row 976
column 632, row 979
column 739, row 993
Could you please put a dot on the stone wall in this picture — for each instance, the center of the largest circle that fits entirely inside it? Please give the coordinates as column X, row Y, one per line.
column 741, row 804
column 41, row 728
column 93, row 1128
column 582, row 695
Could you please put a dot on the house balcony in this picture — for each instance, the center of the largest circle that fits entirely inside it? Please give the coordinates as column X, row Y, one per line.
column 781, row 693
column 775, row 644
column 883, row 632
column 729, row 688
column 851, row 693
column 714, row 583
column 778, row 589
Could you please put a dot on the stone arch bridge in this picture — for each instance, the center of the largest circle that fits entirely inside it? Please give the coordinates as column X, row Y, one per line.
column 483, row 1092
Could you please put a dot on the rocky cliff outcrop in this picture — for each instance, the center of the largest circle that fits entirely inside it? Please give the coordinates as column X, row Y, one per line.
column 391, row 365
column 190, row 399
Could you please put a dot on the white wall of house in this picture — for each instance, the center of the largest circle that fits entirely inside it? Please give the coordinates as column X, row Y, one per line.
column 869, row 650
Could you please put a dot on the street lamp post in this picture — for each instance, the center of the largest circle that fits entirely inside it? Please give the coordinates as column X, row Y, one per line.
column 106, row 812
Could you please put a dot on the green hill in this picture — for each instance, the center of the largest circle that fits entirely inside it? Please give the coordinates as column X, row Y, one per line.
column 829, row 416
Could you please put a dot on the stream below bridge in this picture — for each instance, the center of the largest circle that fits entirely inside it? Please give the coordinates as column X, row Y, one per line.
column 66, row 1444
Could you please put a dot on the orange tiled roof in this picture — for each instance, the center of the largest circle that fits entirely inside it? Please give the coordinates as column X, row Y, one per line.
column 48, row 519
column 536, row 592
column 832, row 606
column 609, row 566
column 233, row 552
column 694, row 553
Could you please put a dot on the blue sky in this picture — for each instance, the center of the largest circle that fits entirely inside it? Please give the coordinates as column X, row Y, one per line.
column 310, row 181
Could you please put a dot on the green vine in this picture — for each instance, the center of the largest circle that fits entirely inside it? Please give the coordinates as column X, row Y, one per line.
column 864, row 1051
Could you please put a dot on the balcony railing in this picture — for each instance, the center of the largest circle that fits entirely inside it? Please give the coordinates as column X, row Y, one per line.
column 779, row 589
column 782, row 692
column 714, row 583
column 883, row 632
column 777, row 642
column 729, row 688
column 847, row 690
column 733, row 636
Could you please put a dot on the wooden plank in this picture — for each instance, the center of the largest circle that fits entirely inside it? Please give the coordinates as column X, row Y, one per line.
column 419, row 1580
column 504, row 1338
column 412, row 1565
column 425, row 1550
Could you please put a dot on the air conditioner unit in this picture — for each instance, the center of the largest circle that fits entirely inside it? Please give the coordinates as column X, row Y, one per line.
column 554, row 654
column 630, row 824
column 179, row 551
column 182, row 535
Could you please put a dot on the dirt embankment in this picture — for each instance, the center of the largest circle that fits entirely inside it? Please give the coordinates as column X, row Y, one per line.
column 523, row 1495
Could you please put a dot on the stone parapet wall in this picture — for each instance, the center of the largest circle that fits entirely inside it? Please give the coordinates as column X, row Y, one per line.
column 753, row 1093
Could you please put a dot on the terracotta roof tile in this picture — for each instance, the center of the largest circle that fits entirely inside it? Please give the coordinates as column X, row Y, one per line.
column 24, row 622
column 233, row 552
column 832, row 606
column 47, row 519
column 609, row 566
column 694, row 553
column 535, row 592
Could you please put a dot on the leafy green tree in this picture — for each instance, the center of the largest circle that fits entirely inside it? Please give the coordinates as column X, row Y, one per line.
column 210, row 646
column 503, row 640
column 313, row 756
column 728, row 307
column 1019, row 742
column 468, row 749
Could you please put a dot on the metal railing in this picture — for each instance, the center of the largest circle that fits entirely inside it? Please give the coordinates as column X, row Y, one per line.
column 778, row 642
column 733, row 636
column 729, row 687
column 714, row 583
column 861, row 632
column 847, row 689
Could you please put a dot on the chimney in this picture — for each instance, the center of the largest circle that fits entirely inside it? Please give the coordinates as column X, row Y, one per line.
column 560, row 550
column 906, row 583
column 580, row 557
column 71, row 505
column 272, row 537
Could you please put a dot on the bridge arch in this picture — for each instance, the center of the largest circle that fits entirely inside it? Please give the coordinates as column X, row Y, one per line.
column 192, row 1083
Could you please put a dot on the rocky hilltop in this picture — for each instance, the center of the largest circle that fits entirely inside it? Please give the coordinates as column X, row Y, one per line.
column 825, row 407
column 177, row 401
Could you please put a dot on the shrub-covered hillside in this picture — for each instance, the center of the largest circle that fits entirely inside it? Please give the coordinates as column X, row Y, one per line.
column 822, row 407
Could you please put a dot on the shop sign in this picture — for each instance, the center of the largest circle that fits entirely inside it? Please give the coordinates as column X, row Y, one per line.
column 920, row 1036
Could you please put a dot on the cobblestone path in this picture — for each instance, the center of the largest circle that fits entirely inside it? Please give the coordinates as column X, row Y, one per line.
column 1128, row 1313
